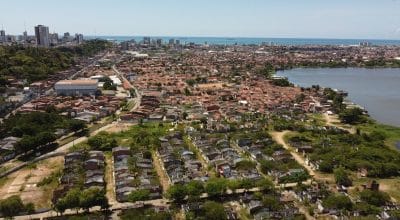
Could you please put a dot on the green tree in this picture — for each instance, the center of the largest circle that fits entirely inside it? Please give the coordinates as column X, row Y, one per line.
column 72, row 199
column 214, row 211
column 342, row 177
column 11, row 206
column 271, row 202
column 375, row 198
column 139, row 195
column 177, row 192
column 352, row 116
column 216, row 187
column 60, row 206
column 91, row 197
column 339, row 201
column 30, row 208
column 194, row 189
column 77, row 125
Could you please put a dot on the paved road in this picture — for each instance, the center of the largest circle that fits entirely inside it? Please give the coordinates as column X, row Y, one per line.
column 138, row 98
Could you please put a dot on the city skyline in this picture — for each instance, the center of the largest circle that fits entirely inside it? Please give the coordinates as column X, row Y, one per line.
column 356, row 19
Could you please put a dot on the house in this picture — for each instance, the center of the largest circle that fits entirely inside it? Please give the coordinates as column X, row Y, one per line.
column 253, row 206
column 118, row 151
column 373, row 185
column 7, row 148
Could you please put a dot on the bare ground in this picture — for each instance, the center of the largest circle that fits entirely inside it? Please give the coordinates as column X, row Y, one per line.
column 160, row 172
column 24, row 183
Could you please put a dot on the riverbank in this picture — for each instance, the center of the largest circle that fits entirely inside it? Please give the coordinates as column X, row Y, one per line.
column 375, row 89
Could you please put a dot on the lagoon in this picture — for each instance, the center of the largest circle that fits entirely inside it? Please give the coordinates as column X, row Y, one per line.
column 378, row 90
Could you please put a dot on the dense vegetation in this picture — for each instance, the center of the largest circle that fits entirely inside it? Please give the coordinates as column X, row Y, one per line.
column 363, row 150
column 78, row 199
column 13, row 206
column 139, row 138
column 37, row 128
column 144, row 214
column 34, row 63
column 209, row 210
column 215, row 187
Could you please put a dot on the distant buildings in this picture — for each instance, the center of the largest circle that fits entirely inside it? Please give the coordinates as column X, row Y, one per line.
column 2, row 36
column 25, row 36
column 146, row 40
column 53, row 39
column 125, row 45
column 79, row 38
column 42, row 36
column 76, row 87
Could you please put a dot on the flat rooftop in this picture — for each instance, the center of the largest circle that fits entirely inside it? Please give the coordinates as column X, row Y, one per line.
column 77, row 82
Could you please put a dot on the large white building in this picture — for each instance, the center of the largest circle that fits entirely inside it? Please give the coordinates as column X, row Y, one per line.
column 42, row 36
column 76, row 87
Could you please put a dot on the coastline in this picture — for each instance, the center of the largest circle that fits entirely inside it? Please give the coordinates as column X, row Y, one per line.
column 211, row 40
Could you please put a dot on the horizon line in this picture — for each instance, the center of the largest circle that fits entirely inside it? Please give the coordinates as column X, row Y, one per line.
column 211, row 36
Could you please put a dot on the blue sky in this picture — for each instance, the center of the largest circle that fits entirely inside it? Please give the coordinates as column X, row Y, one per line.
column 366, row 19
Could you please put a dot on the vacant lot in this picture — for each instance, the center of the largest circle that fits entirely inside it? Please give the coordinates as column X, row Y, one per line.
column 24, row 183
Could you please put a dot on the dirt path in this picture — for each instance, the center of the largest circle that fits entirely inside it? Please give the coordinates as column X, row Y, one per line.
column 333, row 120
column 279, row 138
column 109, row 176
column 164, row 181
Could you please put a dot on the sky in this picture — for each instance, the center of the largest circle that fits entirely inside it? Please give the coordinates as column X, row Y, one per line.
column 348, row 19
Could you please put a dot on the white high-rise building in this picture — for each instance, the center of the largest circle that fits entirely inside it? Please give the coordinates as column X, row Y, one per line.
column 42, row 36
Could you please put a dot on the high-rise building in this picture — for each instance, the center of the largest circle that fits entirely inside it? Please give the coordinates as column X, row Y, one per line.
column 146, row 40
column 159, row 42
column 79, row 38
column 24, row 36
column 2, row 36
column 125, row 45
column 54, row 39
column 42, row 36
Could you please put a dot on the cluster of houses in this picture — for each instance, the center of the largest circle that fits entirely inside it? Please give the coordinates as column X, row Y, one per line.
column 264, row 149
column 149, row 109
column 94, row 169
column 219, row 153
column 178, row 161
column 134, row 172
column 85, row 169
column 7, row 148
column 259, row 210
column 84, row 108
column 196, row 209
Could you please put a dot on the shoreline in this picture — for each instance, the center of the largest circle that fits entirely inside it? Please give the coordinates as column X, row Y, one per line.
column 371, row 100
column 392, row 132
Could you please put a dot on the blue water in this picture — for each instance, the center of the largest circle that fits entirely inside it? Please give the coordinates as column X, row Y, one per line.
column 248, row 41
column 377, row 90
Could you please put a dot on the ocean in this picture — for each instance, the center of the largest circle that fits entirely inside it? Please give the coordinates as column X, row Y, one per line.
column 248, row 41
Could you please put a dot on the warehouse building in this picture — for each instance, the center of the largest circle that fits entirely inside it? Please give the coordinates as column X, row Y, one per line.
column 76, row 87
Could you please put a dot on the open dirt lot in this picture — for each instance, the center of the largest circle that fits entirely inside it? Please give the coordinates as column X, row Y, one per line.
column 24, row 183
